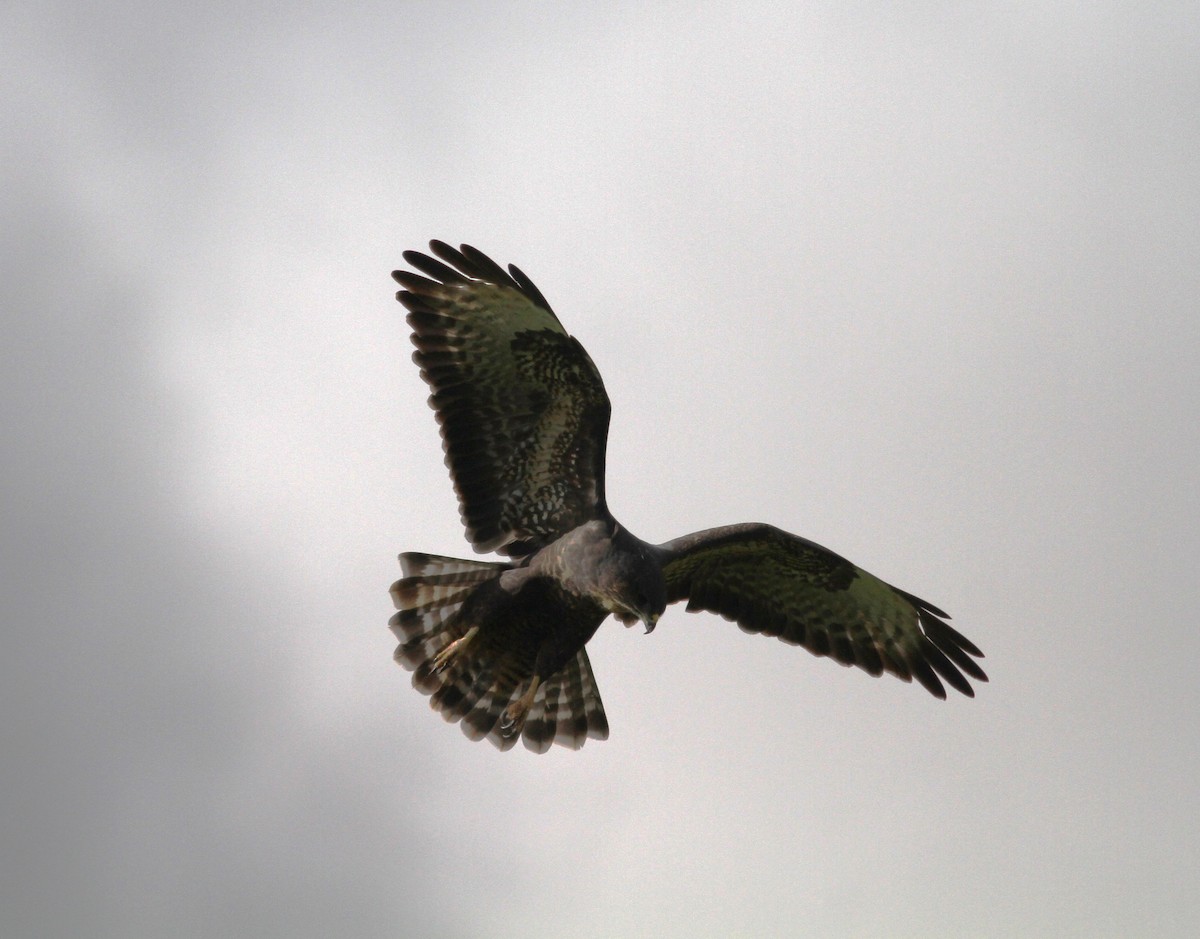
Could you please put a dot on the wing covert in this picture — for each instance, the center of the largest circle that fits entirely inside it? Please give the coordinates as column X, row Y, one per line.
column 771, row 582
column 522, row 409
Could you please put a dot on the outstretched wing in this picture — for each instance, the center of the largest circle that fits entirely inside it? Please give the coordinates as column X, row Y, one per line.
column 774, row 583
column 523, row 411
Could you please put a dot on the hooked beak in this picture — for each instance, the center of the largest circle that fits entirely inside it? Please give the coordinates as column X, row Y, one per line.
column 630, row 618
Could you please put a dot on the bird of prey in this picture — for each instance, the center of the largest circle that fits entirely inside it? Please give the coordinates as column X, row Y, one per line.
column 500, row 645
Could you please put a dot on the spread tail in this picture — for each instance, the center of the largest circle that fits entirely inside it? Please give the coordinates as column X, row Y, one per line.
column 469, row 678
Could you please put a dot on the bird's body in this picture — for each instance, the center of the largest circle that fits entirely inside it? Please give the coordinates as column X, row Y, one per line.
column 524, row 418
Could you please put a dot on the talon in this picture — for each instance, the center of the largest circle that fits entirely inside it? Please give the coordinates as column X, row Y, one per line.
column 513, row 718
column 453, row 650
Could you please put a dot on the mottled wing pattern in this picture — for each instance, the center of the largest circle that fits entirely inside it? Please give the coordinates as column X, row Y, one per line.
column 477, row 686
column 523, row 411
column 772, row 582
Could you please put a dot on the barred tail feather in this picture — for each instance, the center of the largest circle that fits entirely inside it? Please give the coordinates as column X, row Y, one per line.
column 567, row 709
column 430, row 593
column 417, row 564
column 480, row 685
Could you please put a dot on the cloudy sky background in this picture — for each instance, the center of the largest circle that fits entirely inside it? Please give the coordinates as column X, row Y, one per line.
column 921, row 286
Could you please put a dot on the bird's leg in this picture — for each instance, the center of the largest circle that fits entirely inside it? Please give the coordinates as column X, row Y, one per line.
column 513, row 718
column 452, row 650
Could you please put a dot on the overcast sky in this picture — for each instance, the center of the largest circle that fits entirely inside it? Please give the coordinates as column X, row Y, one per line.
column 920, row 286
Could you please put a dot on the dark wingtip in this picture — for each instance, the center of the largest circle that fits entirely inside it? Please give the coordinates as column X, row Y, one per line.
column 460, row 265
column 448, row 253
column 529, row 288
column 923, row 672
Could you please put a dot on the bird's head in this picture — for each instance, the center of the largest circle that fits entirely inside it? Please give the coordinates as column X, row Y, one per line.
column 639, row 607
column 633, row 585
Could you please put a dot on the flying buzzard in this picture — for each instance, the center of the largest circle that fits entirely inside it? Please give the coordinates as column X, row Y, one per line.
column 524, row 416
